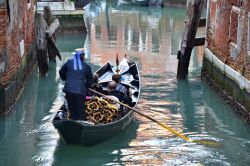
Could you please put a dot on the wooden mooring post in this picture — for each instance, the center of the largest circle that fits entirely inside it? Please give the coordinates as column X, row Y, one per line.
column 45, row 39
column 41, row 44
column 188, row 38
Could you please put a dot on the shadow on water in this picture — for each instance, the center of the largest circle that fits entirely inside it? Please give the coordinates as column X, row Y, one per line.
column 186, row 99
column 47, row 91
column 107, row 152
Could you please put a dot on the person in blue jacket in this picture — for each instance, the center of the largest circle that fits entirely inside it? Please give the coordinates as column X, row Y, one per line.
column 78, row 78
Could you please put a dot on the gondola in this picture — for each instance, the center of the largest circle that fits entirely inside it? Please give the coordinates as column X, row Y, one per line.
column 88, row 134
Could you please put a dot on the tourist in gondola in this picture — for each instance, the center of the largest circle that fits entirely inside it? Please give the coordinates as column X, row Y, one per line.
column 112, row 91
column 119, row 87
column 78, row 78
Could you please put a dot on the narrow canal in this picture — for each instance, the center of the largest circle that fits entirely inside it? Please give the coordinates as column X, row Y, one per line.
column 151, row 37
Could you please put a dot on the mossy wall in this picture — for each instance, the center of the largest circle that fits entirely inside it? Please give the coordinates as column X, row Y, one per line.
column 227, row 88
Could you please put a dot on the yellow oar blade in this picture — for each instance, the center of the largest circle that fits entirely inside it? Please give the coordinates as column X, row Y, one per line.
column 207, row 142
column 204, row 142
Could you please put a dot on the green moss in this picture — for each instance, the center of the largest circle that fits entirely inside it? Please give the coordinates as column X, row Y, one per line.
column 217, row 75
column 226, row 83
column 246, row 99
column 207, row 66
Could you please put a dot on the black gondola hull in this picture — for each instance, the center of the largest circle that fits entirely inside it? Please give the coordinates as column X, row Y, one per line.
column 77, row 132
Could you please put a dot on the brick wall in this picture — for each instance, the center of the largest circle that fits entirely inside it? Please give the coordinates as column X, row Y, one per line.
column 16, row 49
column 3, row 38
column 3, row 25
column 227, row 33
column 20, row 27
column 218, row 28
column 245, row 43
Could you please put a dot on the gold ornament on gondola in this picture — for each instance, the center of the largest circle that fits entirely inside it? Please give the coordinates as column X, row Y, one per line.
column 101, row 110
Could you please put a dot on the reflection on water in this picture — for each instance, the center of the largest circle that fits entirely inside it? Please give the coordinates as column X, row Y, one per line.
column 28, row 126
column 151, row 37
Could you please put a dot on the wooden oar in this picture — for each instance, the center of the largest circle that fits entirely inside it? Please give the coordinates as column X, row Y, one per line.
column 207, row 142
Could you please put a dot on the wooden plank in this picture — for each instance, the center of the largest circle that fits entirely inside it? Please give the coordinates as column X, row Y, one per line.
column 188, row 38
column 199, row 41
column 52, row 28
column 52, row 49
column 41, row 27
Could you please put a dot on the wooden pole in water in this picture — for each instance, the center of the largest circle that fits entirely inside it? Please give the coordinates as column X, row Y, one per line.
column 188, row 37
column 45, row 41
column 52, row 48
column 53, row 24
column 41, row 44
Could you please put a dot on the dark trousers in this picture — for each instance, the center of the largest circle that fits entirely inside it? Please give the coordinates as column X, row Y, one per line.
column 76, row 104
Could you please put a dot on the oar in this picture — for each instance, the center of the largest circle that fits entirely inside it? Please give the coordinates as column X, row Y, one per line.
column 207, row 142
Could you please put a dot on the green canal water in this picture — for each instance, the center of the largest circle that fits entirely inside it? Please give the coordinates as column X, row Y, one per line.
column 151, row 37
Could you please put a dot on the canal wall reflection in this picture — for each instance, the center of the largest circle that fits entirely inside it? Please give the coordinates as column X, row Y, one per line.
column 150, row 34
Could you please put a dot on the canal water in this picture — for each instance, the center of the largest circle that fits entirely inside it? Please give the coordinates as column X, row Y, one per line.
column 151, row 37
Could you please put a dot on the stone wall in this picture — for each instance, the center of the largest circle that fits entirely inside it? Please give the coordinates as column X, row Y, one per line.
column 16, row 48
